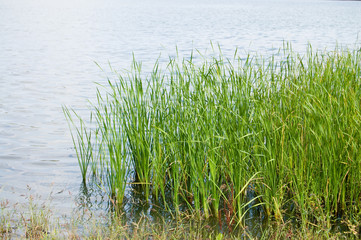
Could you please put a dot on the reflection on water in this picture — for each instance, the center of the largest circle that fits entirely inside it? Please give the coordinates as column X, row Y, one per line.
column 48, row 49
column 137, row 207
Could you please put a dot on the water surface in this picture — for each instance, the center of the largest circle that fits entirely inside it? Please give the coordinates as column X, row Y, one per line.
column 48, row 49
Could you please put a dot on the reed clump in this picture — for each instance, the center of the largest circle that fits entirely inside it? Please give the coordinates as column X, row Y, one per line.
column 219, row 136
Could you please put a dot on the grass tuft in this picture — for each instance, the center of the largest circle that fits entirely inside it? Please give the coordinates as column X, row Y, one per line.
column 222, row 136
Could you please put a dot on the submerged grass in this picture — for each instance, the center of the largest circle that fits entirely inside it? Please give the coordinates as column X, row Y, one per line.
column 221, row 136
column 34, row 220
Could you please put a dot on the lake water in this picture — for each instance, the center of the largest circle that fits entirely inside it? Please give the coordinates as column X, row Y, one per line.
column 48, row 49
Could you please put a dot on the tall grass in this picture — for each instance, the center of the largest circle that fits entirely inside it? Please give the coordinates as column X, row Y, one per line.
column 207, row 135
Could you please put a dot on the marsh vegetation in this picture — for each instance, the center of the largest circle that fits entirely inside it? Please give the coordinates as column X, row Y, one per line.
column 276, row 137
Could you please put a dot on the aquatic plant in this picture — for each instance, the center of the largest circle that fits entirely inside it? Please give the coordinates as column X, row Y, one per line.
column 218, row 136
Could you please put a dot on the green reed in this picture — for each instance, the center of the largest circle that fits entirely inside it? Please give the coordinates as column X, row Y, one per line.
column 206, row 135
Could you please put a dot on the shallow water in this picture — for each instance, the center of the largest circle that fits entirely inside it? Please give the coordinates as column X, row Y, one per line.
column 48, row 49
